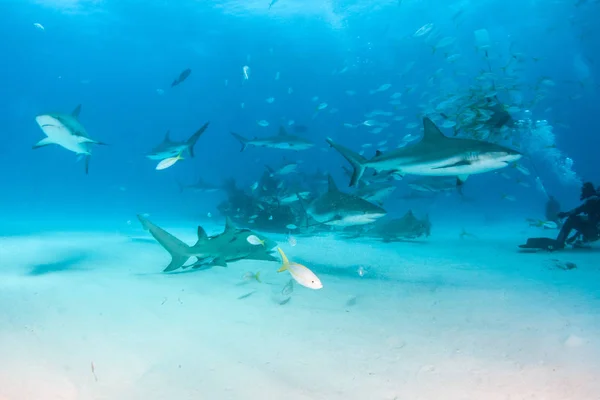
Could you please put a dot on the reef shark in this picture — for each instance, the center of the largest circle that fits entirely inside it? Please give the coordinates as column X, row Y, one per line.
column 169, row 148
column 231, row 245
column 282, row 141
column 200, row 187
column 407, row 227
column 375, row 193
column 66, row 131
column 397, row 229
column 434, row 155
column 340, row 209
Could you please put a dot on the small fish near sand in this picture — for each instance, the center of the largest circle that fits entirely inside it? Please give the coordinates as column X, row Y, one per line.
column 562, row 265
column 300, row 273
column 251, row 276
column 182, row 77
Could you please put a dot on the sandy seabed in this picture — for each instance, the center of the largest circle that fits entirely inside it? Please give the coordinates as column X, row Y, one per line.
column 88, row 315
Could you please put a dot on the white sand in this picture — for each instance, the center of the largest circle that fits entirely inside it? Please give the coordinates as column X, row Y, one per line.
column 434, row 320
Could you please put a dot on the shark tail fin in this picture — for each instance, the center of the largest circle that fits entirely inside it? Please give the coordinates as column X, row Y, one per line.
column 241, row 139
column 356, row 160
column 178, row 250
column 191, row 142
column 180, row 186
column 285, row 263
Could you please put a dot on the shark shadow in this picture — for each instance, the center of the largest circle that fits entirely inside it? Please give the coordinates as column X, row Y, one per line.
column 67, row 264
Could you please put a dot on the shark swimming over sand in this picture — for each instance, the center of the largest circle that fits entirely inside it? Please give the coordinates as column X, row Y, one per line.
column 282, row 141
column 340, row 209
column 231, row 245
column 169, row 148
column 66, row 131
column 407, row 227
column 397, row 229
column 434, row 155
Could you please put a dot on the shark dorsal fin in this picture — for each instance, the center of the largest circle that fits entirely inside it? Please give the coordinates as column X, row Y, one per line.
column 409, row 213
column 229, row 224
column 332, row 185
column 202, row 236
column 282, row 131
column 378, row 153
column 167, row 136
column 76, row 111
column 431, row 133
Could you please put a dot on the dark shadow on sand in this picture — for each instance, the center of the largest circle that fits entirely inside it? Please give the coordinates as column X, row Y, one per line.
column 65, row 265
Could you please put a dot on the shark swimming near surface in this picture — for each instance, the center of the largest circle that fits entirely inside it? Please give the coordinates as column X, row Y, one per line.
column 169, row 148
column 66, row 131
column 434, row 155
column 282, row 141
column 230, row 245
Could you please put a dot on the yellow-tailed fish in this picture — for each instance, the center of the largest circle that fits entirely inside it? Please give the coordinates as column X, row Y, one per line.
column 248, row 276
column 255, row 241
column 168, row 162
column 300, row 273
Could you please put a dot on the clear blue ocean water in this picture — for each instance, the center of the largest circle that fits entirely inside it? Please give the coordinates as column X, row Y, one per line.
column 363, row 73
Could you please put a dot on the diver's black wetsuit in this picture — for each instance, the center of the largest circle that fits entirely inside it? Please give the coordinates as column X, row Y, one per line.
column 586, row 225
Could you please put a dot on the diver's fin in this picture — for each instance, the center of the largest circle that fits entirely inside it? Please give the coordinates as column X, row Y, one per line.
column 542, row 243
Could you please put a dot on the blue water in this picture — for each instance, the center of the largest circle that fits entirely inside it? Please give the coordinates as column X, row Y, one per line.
column 126, row 52
column 118, row 59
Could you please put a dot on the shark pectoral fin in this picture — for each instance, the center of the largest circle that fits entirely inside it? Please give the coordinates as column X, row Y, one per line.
column 262, row 256
column 83, row 139
column 460, row 179
column 42, row 143
column 220, row 262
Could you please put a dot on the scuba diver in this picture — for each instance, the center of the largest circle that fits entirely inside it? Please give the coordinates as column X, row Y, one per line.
column 585, row 220
column 552, row 210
